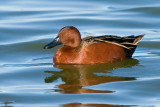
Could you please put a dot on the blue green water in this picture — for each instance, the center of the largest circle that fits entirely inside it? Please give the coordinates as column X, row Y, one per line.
column 29, row 78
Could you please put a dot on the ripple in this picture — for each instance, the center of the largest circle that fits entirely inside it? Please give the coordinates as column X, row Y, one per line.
column 152, row 11
column 26, row 65
column 27, row 74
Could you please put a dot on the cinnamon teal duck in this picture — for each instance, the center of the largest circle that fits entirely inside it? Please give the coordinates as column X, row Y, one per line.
column 91, row 50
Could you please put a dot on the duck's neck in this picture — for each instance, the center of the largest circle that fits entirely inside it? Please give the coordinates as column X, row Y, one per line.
column 68, row 48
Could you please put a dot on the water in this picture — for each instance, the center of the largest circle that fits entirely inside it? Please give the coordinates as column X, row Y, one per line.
column 27, row 74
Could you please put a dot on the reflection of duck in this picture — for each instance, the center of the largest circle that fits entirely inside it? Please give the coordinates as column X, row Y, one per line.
column 78, row 76
column 91, row 50
column 6, row 103
column 90, row 105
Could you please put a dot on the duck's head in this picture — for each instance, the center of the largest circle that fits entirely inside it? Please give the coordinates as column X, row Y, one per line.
column 68, row 36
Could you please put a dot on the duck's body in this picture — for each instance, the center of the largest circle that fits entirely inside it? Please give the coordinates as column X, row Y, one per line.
column 92, row 50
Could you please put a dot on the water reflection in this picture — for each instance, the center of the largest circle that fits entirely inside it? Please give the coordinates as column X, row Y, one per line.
column 76, row 77
column 90, row 105
column 6, row 104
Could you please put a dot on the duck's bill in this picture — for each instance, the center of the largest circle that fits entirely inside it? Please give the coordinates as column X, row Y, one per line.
column 54, row 43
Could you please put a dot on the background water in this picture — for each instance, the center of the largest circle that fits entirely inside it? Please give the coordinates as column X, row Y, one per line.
column 28, row 77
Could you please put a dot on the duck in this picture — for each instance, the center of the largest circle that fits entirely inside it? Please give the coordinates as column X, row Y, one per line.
column 91, row 49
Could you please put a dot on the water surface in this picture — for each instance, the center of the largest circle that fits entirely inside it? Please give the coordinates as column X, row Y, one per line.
column 29, row 77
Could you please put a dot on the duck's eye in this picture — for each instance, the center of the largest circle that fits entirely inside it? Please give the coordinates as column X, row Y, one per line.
column 67, row 34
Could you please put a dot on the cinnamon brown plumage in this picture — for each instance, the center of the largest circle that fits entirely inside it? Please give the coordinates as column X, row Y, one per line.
column 92, row 50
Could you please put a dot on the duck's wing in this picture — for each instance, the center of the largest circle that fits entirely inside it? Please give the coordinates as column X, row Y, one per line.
column 129, row 43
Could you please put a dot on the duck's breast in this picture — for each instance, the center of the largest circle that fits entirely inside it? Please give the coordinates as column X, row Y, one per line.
column 65, row 55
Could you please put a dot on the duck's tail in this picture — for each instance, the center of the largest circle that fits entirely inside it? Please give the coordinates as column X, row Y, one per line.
column 138, row 39
column 132, row 45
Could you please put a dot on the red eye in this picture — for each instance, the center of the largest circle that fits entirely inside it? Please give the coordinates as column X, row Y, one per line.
column 67, row 34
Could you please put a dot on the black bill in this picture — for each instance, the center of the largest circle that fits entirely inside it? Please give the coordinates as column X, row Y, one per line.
column 54, row 43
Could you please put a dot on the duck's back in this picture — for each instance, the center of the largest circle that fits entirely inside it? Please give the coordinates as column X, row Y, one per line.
column 128, row 43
